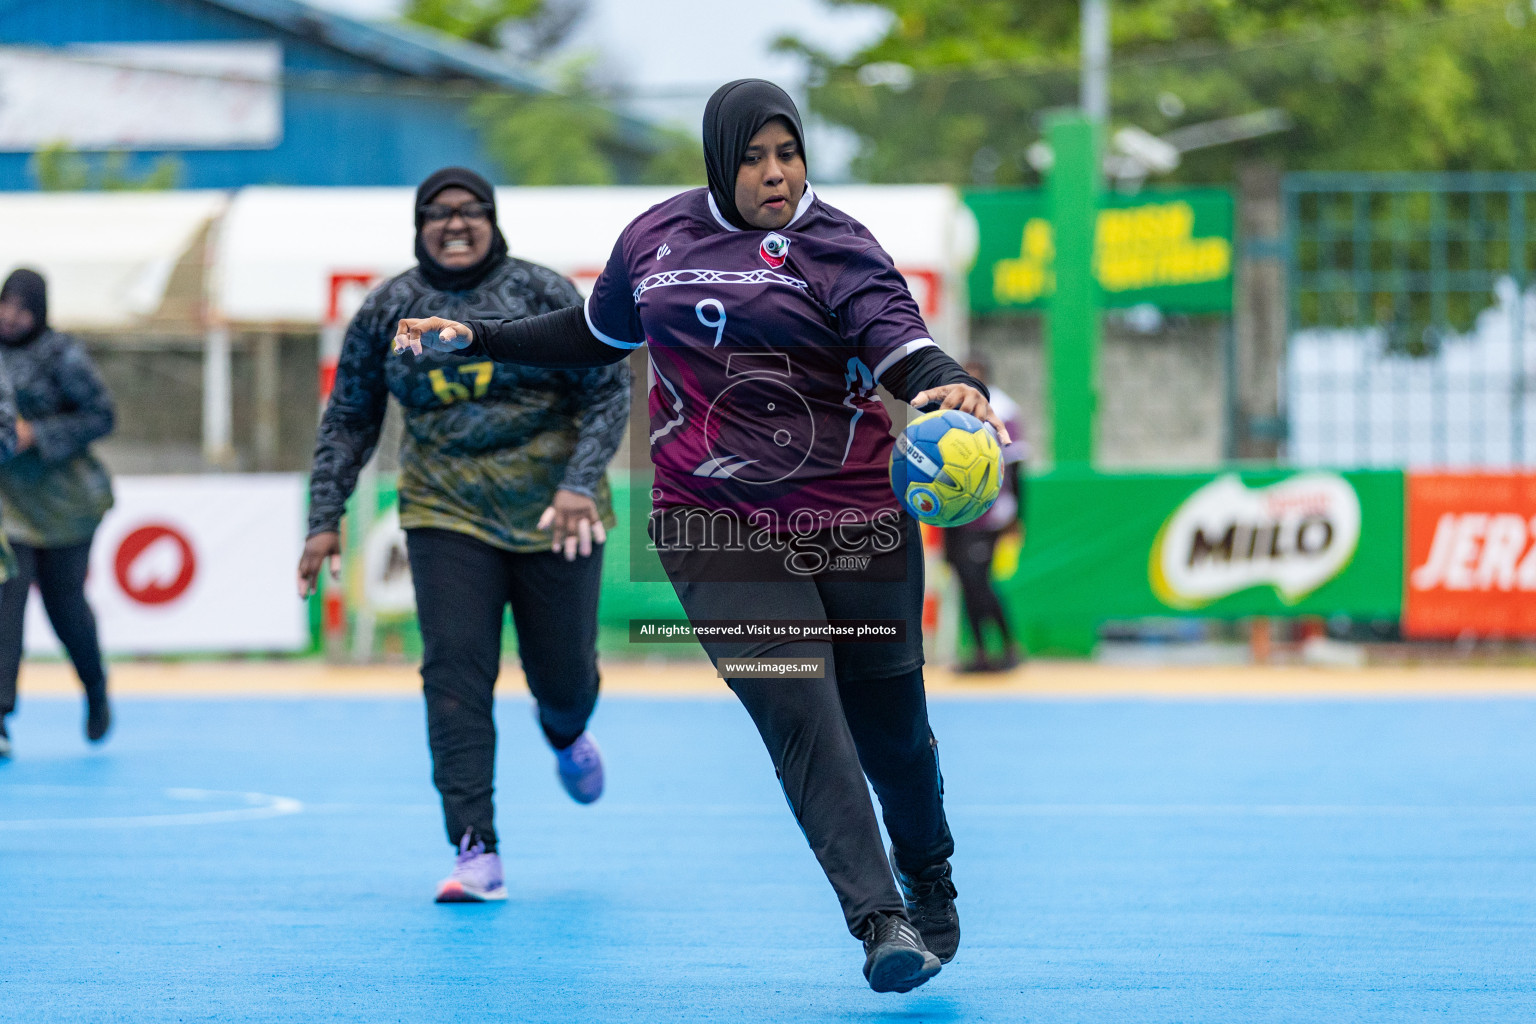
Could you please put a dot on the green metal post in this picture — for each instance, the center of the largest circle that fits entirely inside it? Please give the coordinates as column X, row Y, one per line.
column 1072, row 323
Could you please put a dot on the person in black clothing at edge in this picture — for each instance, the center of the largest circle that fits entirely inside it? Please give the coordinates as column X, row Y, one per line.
column 504, row 500
column 53, row 491
column 971, row 549
column 770, row 317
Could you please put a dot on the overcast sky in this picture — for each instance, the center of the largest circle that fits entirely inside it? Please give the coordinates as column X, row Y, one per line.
column 675, row 52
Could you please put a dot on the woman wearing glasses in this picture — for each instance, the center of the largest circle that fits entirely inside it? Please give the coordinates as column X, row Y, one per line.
column 503, row 499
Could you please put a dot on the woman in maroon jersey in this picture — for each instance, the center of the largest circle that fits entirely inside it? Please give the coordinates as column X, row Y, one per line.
column 770, row 317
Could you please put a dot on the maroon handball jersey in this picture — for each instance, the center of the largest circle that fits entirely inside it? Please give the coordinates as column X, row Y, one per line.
column 765, row 348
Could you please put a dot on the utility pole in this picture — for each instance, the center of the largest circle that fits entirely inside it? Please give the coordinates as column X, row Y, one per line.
column 1072, row 323
column 1094, row 27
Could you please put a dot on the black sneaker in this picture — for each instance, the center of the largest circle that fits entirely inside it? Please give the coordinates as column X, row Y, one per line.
column 930, row 899
column 5, row 740
column 894, row 957
column 98, row 718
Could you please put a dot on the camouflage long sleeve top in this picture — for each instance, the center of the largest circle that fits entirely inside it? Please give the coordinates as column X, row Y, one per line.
column 54, row 493
column 486, row 444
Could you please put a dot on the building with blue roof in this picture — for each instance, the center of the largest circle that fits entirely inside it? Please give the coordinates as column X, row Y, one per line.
column 248, row 92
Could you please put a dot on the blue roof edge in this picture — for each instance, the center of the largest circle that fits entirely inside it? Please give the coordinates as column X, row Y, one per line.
column 397, row 47
column 413, row 51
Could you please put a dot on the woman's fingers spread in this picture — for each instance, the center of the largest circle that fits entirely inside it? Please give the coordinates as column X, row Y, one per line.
column 570, row 547
column 921, row 399
column 599, row 532
column 547, row 518
column 584, row 531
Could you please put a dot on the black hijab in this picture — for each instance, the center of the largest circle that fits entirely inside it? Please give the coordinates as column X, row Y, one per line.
column 29, row 287
column 736, row 112
column 458, row 279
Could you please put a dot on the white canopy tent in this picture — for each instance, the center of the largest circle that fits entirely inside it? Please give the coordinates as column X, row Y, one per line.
column 279, row 248
column 275, row 254
column 108, row 256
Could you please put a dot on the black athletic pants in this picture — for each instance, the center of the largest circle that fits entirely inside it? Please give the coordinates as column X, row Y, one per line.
column 969, row 553
column 462, row 588
column 867, row 718
column 60, row 577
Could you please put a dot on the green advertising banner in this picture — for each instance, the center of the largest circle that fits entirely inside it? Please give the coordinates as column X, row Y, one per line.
column 376, row 580
column 1171, row 249
column 1225, row 545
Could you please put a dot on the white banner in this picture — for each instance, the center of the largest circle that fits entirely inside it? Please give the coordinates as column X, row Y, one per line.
column 194, row 564
column 141, row 96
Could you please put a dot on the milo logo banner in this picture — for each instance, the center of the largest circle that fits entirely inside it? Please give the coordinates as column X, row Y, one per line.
column 1124, row 546
column 1293, row 536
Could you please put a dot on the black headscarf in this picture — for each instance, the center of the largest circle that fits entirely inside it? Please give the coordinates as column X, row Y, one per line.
column 29, row 287
column 458, row 279
column 736, row 112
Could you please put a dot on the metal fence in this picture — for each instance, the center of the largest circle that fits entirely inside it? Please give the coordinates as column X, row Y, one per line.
column 1412, row 323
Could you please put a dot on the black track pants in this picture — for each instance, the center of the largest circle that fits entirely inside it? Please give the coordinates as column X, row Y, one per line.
column 969, row 553
column 462, row 588
column 825, row 736
column 866, row 718
column 60, row 577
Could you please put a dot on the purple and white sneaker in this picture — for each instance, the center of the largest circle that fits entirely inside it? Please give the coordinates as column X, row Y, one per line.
column 580, row 766
column 476, row 876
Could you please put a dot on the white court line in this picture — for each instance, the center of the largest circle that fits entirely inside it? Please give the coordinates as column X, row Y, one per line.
column 1007, row 810
column 258, row 806
column 1239, row 810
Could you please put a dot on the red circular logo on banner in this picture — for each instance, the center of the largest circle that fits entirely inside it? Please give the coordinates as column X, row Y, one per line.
column 155, row 589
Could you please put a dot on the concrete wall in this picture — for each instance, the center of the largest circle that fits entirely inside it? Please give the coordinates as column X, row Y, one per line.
column 1161, row 390
column 157, row 384
column 1162, row 396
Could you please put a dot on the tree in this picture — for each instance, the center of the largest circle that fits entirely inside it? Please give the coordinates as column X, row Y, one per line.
column 569, row 135
column 954, row 92
column 58, row 168
column 525, row 28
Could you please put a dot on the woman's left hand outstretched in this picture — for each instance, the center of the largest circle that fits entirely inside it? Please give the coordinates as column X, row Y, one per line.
column 966, row 399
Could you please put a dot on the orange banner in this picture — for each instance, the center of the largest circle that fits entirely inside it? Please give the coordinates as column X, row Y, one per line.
column 1471, row 558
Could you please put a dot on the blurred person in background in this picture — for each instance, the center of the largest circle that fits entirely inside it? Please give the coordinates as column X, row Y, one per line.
column 971, row 549
column 53, row 491
column 503, row 498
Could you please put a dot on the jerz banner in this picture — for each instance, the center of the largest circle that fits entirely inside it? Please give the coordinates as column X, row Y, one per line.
column 1170, row 249
column 1471, row 556
column 194, row 564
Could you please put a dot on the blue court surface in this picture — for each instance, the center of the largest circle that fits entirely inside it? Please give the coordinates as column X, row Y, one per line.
column 1119, row 861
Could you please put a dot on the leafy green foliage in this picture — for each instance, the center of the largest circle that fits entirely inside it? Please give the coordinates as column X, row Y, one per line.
column 58, row 168
column 954, row 92
column 679, row 160
column 570, row 135
column 477, row 21
column 562, row 138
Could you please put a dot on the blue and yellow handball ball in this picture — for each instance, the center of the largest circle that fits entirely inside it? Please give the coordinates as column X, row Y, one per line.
column 947, row 468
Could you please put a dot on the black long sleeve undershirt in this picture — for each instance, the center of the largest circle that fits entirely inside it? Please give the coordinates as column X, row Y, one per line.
column 562, row 340
column 928, row 367
column 559, row 340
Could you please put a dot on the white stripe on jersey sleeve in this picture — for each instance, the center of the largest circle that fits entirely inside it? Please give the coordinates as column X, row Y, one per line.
column 586, row 311
column 900, row 353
